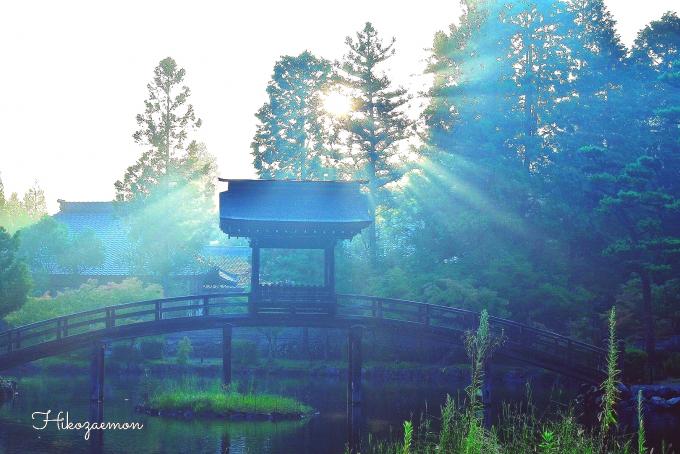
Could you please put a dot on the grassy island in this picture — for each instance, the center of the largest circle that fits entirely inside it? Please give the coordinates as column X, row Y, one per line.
column 216, row 401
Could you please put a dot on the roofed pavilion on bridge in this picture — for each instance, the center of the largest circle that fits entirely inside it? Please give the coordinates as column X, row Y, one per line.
column 293, row 215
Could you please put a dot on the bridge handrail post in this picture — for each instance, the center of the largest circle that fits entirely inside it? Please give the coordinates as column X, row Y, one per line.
column 17, row 341
column 158, row 315
column 380, row 309
column 206, row 305
column 110, row 320
column 59, row 322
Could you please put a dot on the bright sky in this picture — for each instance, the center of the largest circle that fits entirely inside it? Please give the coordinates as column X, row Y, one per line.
column 74, row 74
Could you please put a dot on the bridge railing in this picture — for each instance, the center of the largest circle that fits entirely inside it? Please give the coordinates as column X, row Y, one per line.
column 120, row 315
column 546, row 345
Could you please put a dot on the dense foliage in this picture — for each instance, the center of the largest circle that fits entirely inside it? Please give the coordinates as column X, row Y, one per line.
column 545, row 187
column 90, row 295
column 18, row 212
column 166, row 197
column 519, row 428
column 290, row 141
column 544, row 184
column 47, row 245
column 14, row 279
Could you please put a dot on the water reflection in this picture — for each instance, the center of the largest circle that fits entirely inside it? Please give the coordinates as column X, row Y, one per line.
column 386, row 405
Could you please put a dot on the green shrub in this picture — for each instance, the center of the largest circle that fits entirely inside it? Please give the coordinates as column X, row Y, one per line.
column 244, row 352
column 125, row 353
column 88, row 296
column 151, row 348
column 184, row 350
column 672, row 365
column 634, row 363
column 208, row 349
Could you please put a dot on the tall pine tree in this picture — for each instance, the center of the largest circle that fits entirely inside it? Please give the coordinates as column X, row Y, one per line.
column 164, row 129
column 167, row 195
column 291, row 139
column 377, row 125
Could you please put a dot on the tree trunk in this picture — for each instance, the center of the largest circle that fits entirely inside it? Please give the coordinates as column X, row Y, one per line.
column 648, row 319
column 373, row 242
column 372, row 230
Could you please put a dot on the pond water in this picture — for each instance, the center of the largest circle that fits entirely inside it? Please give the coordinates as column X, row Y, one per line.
column 386, row 406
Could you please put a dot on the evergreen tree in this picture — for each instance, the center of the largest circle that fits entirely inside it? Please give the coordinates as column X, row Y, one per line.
column 15, row 282
column 19, row 212
column 377, row 126
column 169, row 190
column 34, row 202
column 291, row 139
column 642, row 199
column 522, row 92
column 595, row 117
column 164, row 128
column 3, row 201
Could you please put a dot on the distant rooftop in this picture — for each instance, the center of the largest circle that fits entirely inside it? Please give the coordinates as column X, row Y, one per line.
column 85, row 207
column 102, row 218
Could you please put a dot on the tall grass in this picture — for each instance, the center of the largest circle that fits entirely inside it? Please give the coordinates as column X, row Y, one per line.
column 610, row 392
column 641, row 441
column 519, row 430
column 187, row 395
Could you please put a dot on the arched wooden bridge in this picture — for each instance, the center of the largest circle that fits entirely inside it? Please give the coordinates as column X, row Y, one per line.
column 522, row 343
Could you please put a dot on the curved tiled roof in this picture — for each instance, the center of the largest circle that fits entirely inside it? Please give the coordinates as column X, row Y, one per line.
column 104, row 220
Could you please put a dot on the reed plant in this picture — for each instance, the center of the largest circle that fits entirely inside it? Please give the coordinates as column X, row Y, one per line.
column 519, row 430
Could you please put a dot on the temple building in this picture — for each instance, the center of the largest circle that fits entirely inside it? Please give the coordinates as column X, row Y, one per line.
column 286, row 214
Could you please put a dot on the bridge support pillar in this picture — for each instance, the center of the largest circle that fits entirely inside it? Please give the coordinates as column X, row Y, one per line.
column 97, row 392
column 354, row 394
column 97, row 373
column 226, row 354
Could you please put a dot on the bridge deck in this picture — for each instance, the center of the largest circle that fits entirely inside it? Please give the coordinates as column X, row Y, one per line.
column 524, row 343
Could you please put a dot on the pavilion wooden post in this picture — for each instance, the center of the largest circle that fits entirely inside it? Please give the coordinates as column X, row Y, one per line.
column 329, row 268
column 254, row 278
column 226, row 354
column 329, row 276
column 354, row 395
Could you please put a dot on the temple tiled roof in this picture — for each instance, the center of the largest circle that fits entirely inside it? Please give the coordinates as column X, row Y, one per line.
column 294, row 201
column 103, row 219
column 287, row 213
